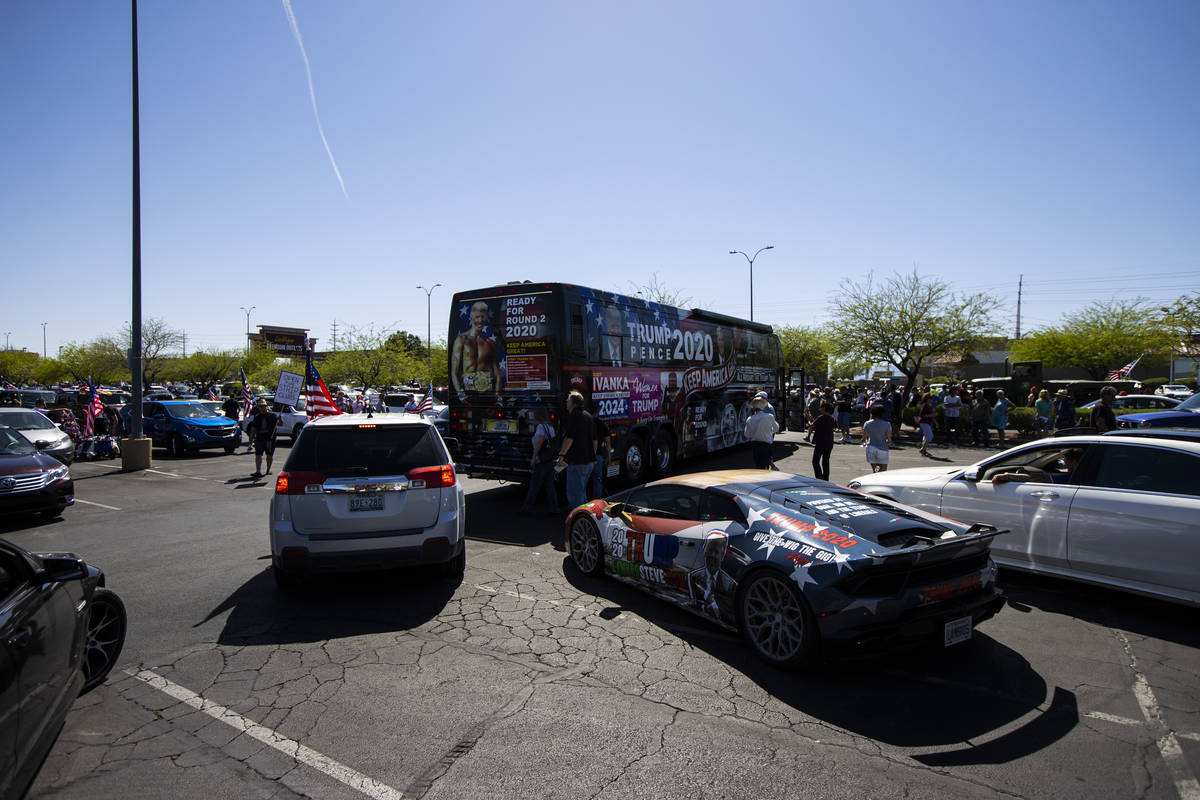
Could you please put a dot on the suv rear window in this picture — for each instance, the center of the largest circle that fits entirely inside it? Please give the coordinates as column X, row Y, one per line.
column 383, row 450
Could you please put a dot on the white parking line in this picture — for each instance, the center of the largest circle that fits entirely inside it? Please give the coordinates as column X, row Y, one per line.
column 176, row 475
column 1168, row 744
column 289, row 747
column 91, row 503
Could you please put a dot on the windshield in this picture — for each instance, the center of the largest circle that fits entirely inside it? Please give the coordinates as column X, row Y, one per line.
column 1191, row 404
column 27, row 421
column 192, row 411
column 14, row 444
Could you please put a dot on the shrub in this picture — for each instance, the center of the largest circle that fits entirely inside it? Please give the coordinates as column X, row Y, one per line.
column 1188, row 382
column 1022, row 419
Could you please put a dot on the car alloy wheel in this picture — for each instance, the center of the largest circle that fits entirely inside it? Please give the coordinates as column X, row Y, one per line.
column 105, row 637
column 585, row 546
column 776, row 620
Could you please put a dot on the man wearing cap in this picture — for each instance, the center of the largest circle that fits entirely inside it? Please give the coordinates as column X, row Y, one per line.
column 760, row 431
column 261, row 432
column 770, row 409
column 1064, row 410
column 1103, row 418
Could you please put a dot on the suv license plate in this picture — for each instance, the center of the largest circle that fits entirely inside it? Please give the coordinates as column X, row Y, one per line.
column 500, row 426
column 957, row 631
column 370, row 502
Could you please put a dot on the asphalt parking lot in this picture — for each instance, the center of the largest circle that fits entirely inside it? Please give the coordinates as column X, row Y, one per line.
column 527, row 679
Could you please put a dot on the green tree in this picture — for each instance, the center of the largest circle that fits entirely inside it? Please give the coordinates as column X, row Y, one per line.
column 406, row 342
column 206, row 368
column 50, row 370
column 102, row 360
column 1099, row 338
column 804, row 347
column 905, row 321
column 368, row 361
column 18, row 366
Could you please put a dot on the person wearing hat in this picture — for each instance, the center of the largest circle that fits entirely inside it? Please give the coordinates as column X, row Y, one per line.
column 770, row 409
column 1103, row 418
column 1064, row 410
column 261, row 431
column 760, row 431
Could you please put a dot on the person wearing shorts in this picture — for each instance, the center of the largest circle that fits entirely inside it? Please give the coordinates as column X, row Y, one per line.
column 261, row 430
column 877, row 438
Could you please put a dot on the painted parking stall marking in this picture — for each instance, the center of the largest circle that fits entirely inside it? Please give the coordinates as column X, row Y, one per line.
column 289, row 747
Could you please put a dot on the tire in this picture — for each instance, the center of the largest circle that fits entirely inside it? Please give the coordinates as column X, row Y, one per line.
column 730, row 433
column 230, row 449
column 776, row 621
column 51, row 513
column 176, row 447
column 296, row 432
column 664, row 452
column 587, row 551
column 635, row 461
column 106, row 624
column 455, row 567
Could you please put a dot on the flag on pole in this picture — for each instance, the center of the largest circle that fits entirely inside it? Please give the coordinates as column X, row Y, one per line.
column 247, row 400
column 317, row 400
column 426, row 403
column 91, row 410
column 1117, row 374
column 212, row 393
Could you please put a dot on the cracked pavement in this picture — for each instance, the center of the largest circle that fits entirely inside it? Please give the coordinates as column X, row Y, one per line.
column 528, row 679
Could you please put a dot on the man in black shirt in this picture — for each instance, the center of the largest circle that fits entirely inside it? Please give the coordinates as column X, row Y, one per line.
column 261, row 430
column 578, row 452
column 1103, row 418
column 230, row 407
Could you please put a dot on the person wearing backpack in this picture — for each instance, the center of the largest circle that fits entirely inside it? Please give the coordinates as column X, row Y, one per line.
column 545, row 450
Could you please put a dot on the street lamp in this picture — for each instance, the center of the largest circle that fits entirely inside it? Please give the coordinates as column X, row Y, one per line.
column 44, row 324
column 751, row 260
column 6, row 335
column 428, row 346
column 247, row 310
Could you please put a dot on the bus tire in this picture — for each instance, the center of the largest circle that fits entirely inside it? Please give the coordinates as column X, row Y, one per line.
column 636, row 459
column 663, row 452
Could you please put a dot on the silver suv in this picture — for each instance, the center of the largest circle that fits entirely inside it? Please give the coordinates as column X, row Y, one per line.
column 361, row 492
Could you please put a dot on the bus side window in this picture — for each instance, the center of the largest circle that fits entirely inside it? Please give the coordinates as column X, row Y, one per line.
column 577, row 338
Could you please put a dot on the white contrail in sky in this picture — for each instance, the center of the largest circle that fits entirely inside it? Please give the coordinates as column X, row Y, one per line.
column 287, row 6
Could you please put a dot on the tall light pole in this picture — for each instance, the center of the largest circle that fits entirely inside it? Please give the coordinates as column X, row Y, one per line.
column 6, row 335
column 428, row 346
column 44, row 324
column 751, row 260
column 247, row 310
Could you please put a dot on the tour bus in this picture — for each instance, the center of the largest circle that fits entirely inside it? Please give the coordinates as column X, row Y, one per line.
column 668, row 382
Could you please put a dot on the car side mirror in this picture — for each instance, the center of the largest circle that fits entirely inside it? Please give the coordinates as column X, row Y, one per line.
column 59, row 569
column 971, row 474
column 41, row 444
column 615, row 510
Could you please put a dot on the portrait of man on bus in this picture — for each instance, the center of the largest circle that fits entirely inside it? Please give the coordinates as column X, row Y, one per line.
column 474, row 358
column 612, row 350
column 724, row 349
column 672, row 395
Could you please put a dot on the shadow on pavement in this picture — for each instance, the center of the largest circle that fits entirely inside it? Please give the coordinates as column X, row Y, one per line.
column 922, row 697
column 331, row 607
column 1145, row 616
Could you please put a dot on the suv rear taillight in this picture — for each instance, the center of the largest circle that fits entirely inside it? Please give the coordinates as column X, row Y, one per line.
column 297, row 482
column 431, row 477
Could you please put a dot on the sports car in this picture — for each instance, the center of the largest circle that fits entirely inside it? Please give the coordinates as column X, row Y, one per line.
column 800, row 567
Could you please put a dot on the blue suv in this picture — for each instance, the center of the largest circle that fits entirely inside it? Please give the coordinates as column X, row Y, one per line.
column 184, row 426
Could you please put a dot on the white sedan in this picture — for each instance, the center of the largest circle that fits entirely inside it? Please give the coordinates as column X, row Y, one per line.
column 1120, row 511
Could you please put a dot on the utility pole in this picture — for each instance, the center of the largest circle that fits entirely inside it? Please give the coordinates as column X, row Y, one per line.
column 44, row 324
column 1020, row 282
column 334, row 338
column 185, row 344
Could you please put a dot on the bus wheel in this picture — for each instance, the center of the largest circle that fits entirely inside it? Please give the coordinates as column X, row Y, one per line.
column 635, row 460
column 664, row 452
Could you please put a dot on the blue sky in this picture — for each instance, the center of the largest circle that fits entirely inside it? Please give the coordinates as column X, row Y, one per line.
column 596, row 143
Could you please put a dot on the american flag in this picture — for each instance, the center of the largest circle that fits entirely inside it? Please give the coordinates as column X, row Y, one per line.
column 247, row 400
column 1117, row 374
column 212, row 393
column 426, row 403
column 317, row 400
column 93, row 409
